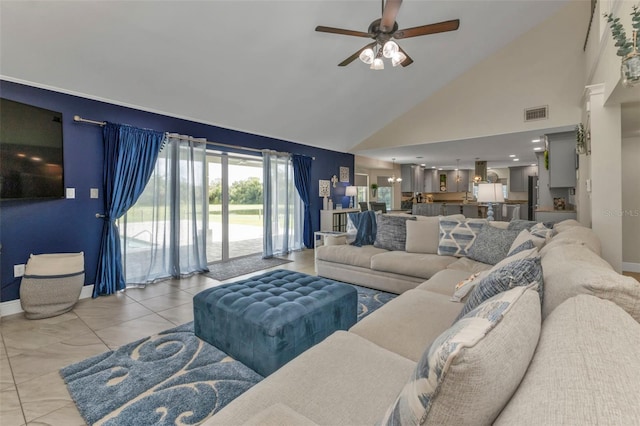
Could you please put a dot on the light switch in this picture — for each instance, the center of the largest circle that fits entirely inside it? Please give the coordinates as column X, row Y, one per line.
column 94, row 193
column 71, row 193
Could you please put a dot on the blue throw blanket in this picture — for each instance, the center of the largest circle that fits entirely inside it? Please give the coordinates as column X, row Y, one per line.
column 365, row 223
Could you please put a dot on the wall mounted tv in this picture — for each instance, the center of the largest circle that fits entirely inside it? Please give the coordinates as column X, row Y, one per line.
column 31, row 165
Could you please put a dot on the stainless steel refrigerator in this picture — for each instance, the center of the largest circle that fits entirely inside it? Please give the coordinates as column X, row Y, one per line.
column 532, row 197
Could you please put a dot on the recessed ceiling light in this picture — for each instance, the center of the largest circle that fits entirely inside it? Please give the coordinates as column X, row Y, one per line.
column 537, row 148
column 512, row 155
column 433, row 167
column 419, row 157
column 440, row 168
column 533, row 165
column 535, row 140
column 516, row 159
column 423, row 165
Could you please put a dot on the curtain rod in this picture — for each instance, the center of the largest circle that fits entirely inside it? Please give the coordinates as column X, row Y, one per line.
column 79, row 119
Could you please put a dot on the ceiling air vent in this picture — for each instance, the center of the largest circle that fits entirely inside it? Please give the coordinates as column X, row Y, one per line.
column 537, row 113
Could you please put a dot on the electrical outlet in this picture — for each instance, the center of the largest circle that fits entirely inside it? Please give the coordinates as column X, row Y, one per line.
column 71, row 193
column 18, row 270
column 94, row 193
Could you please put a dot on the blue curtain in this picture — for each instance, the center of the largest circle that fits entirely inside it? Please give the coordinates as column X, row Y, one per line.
column 302, row 179
column 129, row 158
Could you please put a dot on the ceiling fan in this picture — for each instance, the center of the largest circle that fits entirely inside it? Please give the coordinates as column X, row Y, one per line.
column 382, row 31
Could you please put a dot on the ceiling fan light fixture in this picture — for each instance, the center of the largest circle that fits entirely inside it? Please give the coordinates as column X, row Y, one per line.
column 367, row 56
column 398, row 58
column 390, row 48
column 377, row 64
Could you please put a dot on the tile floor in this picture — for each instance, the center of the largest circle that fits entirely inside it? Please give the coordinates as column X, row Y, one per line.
column 32, row 351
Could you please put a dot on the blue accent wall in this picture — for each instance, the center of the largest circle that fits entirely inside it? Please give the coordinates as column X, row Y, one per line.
column 58, row 226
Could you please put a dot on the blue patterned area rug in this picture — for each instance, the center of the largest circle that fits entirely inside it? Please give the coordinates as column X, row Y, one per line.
column 172, row 378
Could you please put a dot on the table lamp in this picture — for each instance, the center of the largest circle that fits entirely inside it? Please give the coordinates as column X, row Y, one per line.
column 490, row 193
column 351, row 192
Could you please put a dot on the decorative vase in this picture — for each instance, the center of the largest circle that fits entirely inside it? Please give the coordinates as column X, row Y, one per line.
column 630, row 69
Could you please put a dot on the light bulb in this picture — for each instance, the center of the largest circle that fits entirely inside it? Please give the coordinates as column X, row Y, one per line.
column 390, row 48
column 377, row 64
column 367, row 55
column 398, row 58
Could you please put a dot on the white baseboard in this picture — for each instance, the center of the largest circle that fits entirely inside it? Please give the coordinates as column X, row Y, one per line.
column 13, row 307
column 631, row 267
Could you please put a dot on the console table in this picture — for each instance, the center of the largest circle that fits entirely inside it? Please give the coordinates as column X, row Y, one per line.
column 335, row 220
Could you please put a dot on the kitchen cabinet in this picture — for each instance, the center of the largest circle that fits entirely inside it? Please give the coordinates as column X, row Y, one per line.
column 412, row 178
column 555, row 216
column 457, row 180
column 562, row 160
column 519, row 177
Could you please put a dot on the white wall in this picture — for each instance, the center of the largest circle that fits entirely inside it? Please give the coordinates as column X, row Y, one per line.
column 490, row 98
column 631, row 203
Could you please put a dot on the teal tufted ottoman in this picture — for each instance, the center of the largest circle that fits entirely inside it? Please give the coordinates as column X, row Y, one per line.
column 267, row 320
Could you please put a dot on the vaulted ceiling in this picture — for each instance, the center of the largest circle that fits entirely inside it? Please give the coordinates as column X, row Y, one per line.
column 256, row 66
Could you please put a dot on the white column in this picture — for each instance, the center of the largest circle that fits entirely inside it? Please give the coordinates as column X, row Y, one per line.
column 606, row 175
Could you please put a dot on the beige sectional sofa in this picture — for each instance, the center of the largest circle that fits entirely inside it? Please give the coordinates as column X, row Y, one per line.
column 572, row 359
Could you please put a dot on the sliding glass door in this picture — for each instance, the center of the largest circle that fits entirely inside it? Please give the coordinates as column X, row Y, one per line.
column 235, row 206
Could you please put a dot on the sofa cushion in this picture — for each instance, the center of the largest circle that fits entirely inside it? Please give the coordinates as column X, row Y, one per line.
column 409, row 323
column 423, row 234
column 350, row 255
column 392, row 232
column 457, row 236
column 522, row 272
column 278, row 415
column 565, row 279
column 582, row 234
column 525, row 235
column 565, row 224
column 444, row 282
column 491, row 244
column 585, row 371
column 468, row 373
column 338, row 381
column 469, row 265
column 412, row 264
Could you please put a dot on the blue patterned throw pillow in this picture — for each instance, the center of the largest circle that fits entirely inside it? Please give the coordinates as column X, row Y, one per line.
column 541, row 230
column 522, row 272
column 392, row 232
column 522, row 247
column 520, row 224
column 457, row 236
column 491, row 245
column 460, row 378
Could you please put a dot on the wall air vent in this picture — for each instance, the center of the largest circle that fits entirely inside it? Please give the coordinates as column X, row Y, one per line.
column 537, row 113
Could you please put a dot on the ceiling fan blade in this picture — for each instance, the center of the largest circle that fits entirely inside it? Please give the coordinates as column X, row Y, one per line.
column 355, row 55
column 407, row 61
column 332, row 30
column 440, row 27
column 389, row 15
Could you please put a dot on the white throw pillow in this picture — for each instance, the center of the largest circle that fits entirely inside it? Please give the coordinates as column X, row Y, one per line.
column 461, row 378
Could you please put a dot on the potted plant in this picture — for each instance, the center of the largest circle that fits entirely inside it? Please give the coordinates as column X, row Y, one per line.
column 627, row 48
column 374, row 189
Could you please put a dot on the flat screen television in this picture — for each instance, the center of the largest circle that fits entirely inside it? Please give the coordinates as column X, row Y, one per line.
column 31, row 161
